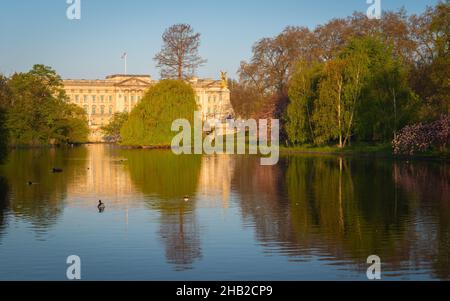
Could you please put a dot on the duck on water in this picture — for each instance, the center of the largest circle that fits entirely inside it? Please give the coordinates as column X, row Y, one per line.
column 101, row 206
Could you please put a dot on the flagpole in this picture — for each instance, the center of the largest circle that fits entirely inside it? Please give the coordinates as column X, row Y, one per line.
column 126, row 63
column 124, row 57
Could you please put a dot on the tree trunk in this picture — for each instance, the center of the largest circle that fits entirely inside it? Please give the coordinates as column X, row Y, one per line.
column 339, row 118
column 395, row 113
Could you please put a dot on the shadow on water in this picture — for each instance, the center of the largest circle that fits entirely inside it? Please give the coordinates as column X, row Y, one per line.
column 166, row 179
column 347, row 209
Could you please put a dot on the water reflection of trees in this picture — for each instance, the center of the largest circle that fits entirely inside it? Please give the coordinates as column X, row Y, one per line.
column 428, row 184
column 165, row 179
column 348, row 209
column 4, row 203
column 40, row 203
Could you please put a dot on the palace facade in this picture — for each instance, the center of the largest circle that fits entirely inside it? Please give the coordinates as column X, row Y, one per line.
column 101, row 99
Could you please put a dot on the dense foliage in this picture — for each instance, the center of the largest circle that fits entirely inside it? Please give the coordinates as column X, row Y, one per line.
column 4, row 93
column 112, row 129
column 3, row 134
column 150, row 122
column 352, row 79
column 37, row 111
column 421, row 137
column 361, row 93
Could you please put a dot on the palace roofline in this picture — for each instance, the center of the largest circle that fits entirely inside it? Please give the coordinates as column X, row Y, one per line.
column 127, row 75
column 117, row 79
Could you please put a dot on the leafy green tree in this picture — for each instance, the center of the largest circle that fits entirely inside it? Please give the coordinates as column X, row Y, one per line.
column 5, row 98
column 330, row 109
column 3, row 135
column 74, row 124
column 362, row 94
column 302, row 94
column 387, row 102
column 39, row 112
column 430, row 76
column 112, row 129
column 150, row 121
column 339, row 92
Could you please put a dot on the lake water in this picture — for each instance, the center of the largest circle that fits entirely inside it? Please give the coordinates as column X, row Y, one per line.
column 307, row 218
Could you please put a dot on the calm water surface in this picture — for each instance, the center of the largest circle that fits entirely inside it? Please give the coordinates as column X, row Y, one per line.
column 307, row 218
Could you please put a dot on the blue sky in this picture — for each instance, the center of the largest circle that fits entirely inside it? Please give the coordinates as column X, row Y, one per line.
column 39, row 32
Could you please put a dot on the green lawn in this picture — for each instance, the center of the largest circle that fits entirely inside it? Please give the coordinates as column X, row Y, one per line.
column 384, row 150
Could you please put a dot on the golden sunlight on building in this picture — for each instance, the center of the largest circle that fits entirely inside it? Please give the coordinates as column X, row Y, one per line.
column 120, row 93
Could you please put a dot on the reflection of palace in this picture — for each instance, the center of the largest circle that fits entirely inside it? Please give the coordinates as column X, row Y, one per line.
column 215, row 179
column 120, row 93
column 105, row 176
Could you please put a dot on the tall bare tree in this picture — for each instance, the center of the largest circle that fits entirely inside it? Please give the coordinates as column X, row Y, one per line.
column 179, row 57
column 274, row 59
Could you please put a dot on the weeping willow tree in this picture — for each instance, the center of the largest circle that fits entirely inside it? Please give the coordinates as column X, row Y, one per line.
column 149, row 124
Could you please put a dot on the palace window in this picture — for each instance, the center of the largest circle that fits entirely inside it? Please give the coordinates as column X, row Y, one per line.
column 110, row 110
column 86, row 108
column 125, row 98
column 102, row 110
column 77, row 98
column 102, row 98
column 110, row 98
column 93, row 98
column 94, row 109
column 85, row 98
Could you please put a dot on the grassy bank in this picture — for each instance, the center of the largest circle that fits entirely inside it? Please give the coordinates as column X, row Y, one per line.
column 380, row 150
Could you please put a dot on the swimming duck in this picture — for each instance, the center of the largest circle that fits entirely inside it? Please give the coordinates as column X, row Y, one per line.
column 101, row 206
column 57, row 170
column 186, row 198
column 30, row 183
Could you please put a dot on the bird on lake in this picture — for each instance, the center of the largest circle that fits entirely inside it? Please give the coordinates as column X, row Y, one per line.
column 186, row 198
column 57, row 170
column 101, row 206
column 30, row 183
